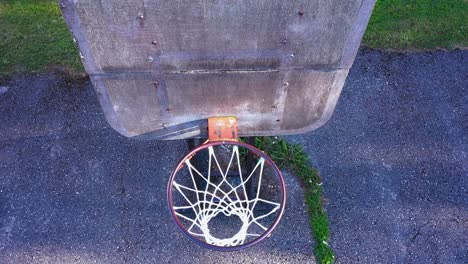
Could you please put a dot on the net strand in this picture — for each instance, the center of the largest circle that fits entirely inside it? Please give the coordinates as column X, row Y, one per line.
column 210, row 203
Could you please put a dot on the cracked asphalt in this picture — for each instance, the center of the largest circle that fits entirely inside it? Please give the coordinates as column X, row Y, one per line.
column 393, row 160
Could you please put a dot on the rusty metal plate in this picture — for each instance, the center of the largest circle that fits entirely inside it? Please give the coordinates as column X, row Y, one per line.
column 162, row 68
column 223, row 128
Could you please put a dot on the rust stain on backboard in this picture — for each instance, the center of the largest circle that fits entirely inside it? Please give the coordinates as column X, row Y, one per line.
column 223, row 128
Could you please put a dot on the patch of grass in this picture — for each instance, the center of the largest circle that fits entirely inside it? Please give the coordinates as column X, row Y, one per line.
column 33, row 36
column 293, row 157
column 418, row 24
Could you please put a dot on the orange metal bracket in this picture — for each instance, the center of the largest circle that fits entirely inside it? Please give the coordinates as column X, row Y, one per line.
column 223, row 128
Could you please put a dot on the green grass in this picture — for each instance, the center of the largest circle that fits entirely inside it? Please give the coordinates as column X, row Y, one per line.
column 418, row 24
column 293, row 157
column 33, row 37
column 33, row 34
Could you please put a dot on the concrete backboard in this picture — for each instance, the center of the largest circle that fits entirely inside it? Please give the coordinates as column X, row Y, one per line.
column 161, row 68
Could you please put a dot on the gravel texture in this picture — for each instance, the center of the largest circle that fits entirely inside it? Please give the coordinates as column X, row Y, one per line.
column 394, row 158
column 73, row 190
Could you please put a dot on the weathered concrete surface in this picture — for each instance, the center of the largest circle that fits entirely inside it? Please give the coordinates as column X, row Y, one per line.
column 161, row 68
column 72, row 190
column 394, row 159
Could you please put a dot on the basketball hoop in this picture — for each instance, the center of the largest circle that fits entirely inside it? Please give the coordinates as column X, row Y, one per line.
column 156, row 84
column 226, row 195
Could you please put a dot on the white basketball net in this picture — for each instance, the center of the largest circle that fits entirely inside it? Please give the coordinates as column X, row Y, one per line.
column 210, row 203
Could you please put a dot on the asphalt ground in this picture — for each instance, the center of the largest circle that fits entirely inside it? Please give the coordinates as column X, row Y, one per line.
column 73, row 190
column 393, row 160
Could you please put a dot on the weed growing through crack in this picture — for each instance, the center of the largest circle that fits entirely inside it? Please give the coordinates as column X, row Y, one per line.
column 293, row 157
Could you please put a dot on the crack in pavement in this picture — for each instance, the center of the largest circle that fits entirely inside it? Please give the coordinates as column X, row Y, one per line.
column 418, row 231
